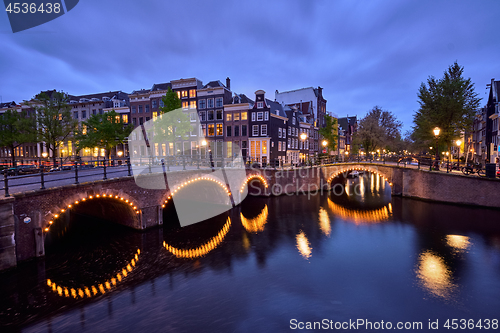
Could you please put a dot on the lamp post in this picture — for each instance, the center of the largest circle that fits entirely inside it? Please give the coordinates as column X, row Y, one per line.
column 324, row 145
column 303, row 137
column 458, row 142
column 436, row 131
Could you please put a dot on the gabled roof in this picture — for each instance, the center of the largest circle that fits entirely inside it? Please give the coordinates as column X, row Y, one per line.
column 161, row 86
column 8, row 105
column 214, row 84
column 275, row 106
column 344, row 122
column 141, row 91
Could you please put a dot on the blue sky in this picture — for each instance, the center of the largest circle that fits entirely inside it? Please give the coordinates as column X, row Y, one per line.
column 363, row 53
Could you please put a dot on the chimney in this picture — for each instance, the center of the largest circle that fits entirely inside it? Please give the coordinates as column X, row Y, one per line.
column 228, row 83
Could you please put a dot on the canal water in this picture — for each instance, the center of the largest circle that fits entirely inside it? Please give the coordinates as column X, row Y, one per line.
column 269, row 265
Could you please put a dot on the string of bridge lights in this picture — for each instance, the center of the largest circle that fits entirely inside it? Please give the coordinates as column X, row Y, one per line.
column 202, row 249
column 179, row 187
column 257, row 223
column 93, row 290
column 90, row 197
column 358, row 169
column 262, row 179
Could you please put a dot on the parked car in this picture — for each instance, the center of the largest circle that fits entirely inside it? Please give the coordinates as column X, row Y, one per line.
column 20, row 170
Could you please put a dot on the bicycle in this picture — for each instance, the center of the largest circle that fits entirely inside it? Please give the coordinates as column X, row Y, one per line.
column 467, row 170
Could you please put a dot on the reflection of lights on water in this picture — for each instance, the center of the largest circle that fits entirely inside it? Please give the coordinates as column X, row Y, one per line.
column 458, row 242
column 303, row 245
column 361, row 216
column 324, row 222
column 377, row 185
column 257, row 223
column 362, row 187
column 435, row 275
column 101, row 287
column 203, row 249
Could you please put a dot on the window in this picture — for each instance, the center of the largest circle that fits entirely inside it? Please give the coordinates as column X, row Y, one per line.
column 84, row 114
column 146, row 107
column 94, row 111
column 236, row 116
column 192, row 116
column 192, row 104
column 75, row 114
column 279, row 132
column 147, row 118
column 134, row 109
column 264, row 147
column 203, row 116
column 179, row 94
column 219, row 129
column 253, row 116
column 243, row 116
column 228, row 130
column 210, row 103
column 202, row 103
column 293, row 120
column 210, row 115
column 263, row 130
column 260, row 116
column 228, row 116
column 218, row 102
column 192, row 93
column 279, row 145
column 289, row 131
column 125, row 118
column 141, row 121
column 161, row 103
column 260, row 105
column 219, row 114
column 101, row 111
column 203, row 130
column 134, row 121
column 140, row 108
column 255, row 130
column 243, row 130
column 229, row 150
column 284, row 133
column 211, row 131
column 266, row 115
column 185, row 104
column 155, row 114
column 236, row 131
column 184, row 94
column 153, row 104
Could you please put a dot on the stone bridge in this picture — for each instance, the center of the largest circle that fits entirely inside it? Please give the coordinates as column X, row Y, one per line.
column 27, row 218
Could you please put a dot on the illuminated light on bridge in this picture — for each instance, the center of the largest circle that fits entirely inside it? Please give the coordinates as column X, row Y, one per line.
column 177, row 188
column 347, row 170
column 65, row 291
column 361, row 216
column 434, row 275
column 256, row 224
column 324, row 222
column 69, row 206
column 203, row 249
column 262, row 179
column 303, row 245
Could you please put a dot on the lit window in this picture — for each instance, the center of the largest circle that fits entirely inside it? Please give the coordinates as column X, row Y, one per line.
column 117, row 118
column 155, row 114
column 203, row 130
column 260, row 116
column 184, row 93
column 185, row 105
column 236, row 116
column 192, row 93
column 192, row 104
column 264, row 147
column 228, row 117
column 211, row 131
column 179, row 94
column 125, row 118
column 255, row 130
column 243, row 116
column 219, row 129
column 279, row 145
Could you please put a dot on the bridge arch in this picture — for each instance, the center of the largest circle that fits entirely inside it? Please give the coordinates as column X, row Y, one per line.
column 345, row 169
column 72, row 202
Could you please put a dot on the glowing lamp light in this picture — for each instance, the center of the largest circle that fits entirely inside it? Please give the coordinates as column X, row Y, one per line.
column 458, row 142
column 436, row 131
column 303, row 136
column 325, row 143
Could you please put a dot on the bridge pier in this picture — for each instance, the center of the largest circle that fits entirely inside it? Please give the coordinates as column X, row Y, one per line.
column 7, row 234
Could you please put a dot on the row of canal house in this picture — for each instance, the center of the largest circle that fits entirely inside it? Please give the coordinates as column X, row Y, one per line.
column 264, row 130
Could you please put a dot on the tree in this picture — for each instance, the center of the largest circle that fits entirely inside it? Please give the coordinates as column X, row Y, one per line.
column 448, row 103
column 104, row 131
column 170, row 101
column 16, row 129
column 54, row 123
column 329, row 132
column 378, row 130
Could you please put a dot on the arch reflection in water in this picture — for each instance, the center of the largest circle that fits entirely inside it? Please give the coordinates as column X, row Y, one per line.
column 458, row 243
column 203, row 249
column 75, row 292
column 256, row 224
column 303, row 245
column 359, row 216
column 434, row 275
column 324, row 222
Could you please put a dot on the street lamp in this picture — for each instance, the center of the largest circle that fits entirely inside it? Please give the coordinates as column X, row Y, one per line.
column 303, row 137
column 436, row 131
column 458, row 142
